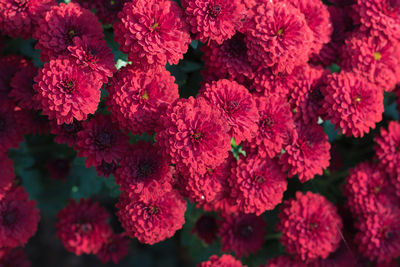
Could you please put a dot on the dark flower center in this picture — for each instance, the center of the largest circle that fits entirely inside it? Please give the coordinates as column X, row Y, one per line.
column 9, row 218
column 386, row 232
column 236, row 45
column 196, row 136
column 260, row 179
column 22, row 4
column 92, row 56
column 313, row 226
column 245, row 231
column 145, row 168
column 214, row 11
column 316, row 95
column 85, row 228
column 108, row 168
column 155, row 26
column 267, row 122
column 279, row 33
column 233, row 106
column 67, row 86
column 103, row 140
column 154, row 210
column 145, row 95
column 377, row 56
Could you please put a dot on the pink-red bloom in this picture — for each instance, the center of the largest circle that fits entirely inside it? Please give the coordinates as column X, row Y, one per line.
column 66, row 92
column 20, row 17
column 60, row 25
column 215, row 20
column 378, row 238
column 152, row 33
column 387, row 147
column 137, row 98
column 223, row 261
column 144, row 172
column 275, row 126
column 100, row 140
column 154, row 220
column 310, row 226
column 258, row 184
column 66, row 133
column 82, row 227
column 308, row 154
column 351, row 103
column 237, row 107
column 18, row 218
column 374, row 58
column 278, row 37
column 242, row 233
column 94, row 55
column 193, row 136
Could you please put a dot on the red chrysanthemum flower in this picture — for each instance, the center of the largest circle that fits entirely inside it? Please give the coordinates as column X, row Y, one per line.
column 308, row 154
column 352, row 104
column 206, row 228
column 242, row 233
column 276, row 125
column 107, row 10
column 278, row 37
column 203, row 189
column 310, row 226
column 286, row 261
column 193, row 136
column 106, row 169
column 82, row 227
column 18, row 218
column 152, row 221
column 376, row 59
column 267, row 83
column 10, row 129
column 387, row 147
column 66, row 133
column 366, row 188
column 223, row 261
column 66, row 92
column 58, row 168
column 144, row 172
column 9, row 66
column 318, row 20
column 6, row 174
column 114, row 249
column 100, row 140
column 379, row 17
column 258, row 183
column 20, row 17
column 152, row 33
column 137, row 99
column 228, row 59
column 93, row 54
column 237, row 107
column 378, row 238
column 13, row 258
column 306, row 97
column 217, row 187
column 215, row 20
column 58, row 27
column 22, row 91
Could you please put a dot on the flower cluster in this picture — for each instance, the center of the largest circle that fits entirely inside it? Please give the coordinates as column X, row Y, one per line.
column 276, row 75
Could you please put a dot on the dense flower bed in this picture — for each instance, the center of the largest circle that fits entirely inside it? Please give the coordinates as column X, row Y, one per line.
column 265, row 129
